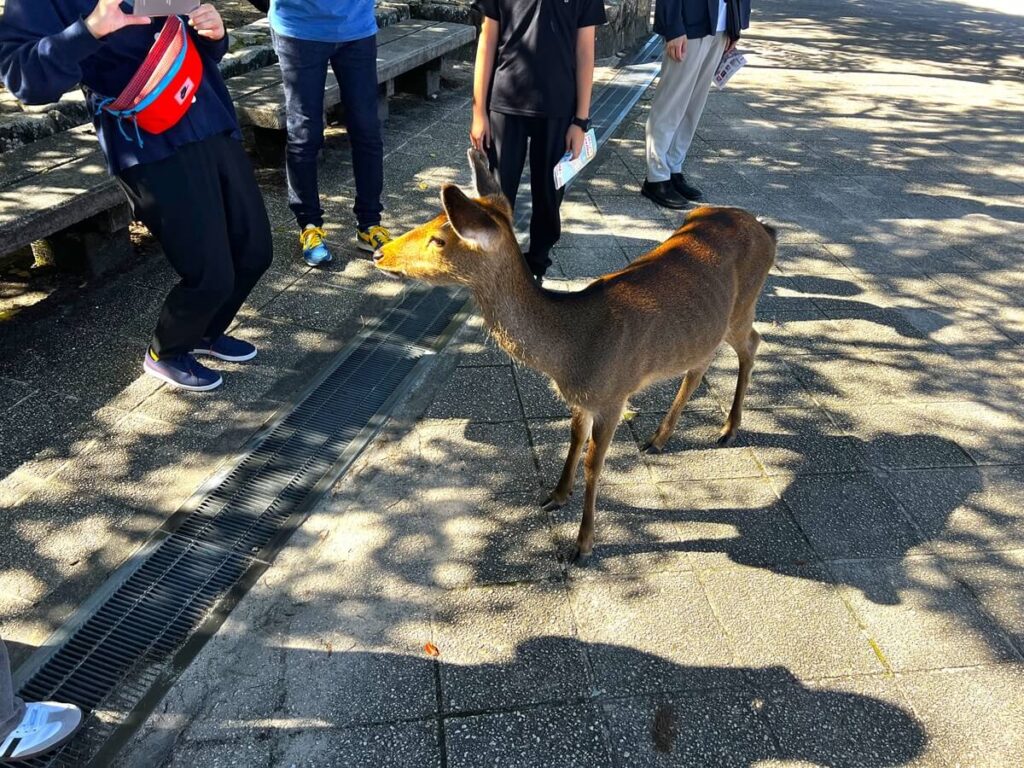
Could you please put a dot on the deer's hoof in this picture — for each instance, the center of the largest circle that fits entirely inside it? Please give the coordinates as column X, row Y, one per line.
column 726, row 439
column 652, row 448
column 554, row 501
column 581, row 559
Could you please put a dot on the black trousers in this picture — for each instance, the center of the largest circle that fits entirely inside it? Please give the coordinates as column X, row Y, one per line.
column 205, row 208
column 511, row 136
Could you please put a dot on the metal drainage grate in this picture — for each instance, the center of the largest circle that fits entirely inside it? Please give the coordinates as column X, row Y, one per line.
column 144, row 622
column 128, row 651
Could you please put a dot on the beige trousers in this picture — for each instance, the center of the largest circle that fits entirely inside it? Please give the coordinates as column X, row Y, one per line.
column 678, row 104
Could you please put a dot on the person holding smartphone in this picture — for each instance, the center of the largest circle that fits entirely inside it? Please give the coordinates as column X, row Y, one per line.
column 192, row 185
column 531, row 94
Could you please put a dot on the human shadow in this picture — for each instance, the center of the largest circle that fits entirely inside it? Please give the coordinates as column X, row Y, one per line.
column 535, row 707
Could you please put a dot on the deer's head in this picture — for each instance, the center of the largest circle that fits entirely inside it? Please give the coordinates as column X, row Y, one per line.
column 464, row 243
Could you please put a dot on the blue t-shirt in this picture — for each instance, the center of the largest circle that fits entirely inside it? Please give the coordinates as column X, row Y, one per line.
column 329, row 21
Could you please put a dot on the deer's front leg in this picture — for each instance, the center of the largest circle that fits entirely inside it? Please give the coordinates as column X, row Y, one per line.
column 580, row 428
column 602, row 433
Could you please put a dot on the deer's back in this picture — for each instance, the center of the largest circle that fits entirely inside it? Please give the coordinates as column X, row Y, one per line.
column 673, row 306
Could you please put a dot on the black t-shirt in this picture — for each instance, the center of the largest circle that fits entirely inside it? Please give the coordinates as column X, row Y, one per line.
column 535, row 70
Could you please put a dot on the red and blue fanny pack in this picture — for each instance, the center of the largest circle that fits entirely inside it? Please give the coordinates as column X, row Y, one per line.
column 164, row 87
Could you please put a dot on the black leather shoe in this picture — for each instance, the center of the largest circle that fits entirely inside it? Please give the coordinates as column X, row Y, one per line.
column 664, row 194
column 688, row 191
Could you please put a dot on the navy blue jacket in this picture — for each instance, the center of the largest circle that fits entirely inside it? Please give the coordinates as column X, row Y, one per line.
column 46, row 49
column 693, row 18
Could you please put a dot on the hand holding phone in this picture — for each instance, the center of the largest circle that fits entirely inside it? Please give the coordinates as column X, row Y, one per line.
column 107, row 17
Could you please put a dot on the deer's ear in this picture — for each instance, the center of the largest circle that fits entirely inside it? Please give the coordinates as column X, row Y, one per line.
column 484, row 182
column 468, row 219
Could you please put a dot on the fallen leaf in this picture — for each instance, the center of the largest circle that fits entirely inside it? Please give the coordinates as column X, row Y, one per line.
column 423, row 185
column 431, row 650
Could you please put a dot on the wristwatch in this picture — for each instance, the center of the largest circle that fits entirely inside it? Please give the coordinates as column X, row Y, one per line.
column 582, row 122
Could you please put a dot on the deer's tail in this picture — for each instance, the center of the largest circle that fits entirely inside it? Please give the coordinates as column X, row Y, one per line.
column 773, row 233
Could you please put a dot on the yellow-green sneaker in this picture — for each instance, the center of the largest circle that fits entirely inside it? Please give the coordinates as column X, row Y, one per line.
column 372, row 238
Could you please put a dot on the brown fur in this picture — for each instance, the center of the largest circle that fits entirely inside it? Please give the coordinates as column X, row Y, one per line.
column 663, row 315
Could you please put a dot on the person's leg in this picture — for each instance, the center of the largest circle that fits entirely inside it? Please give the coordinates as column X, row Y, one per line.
column 248, row 228
column 507, row 153
column 547, row 146
column 705, row 62
column 180, row 200
column 12, row 709
column 355, row 66
column 675, row 87
column 303, row 74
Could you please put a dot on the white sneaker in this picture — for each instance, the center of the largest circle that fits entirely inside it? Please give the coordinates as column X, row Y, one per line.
column 46, row 725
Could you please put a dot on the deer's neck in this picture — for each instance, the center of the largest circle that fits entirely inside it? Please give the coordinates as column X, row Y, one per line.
column 524, row 319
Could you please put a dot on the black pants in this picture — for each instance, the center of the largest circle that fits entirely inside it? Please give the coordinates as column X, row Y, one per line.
column 510, row 135
column 205, row 208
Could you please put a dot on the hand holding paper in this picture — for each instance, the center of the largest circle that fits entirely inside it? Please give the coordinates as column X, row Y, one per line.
column 567, row 167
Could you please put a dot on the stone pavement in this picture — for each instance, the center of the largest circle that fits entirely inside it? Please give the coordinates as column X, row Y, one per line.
column 843, row 587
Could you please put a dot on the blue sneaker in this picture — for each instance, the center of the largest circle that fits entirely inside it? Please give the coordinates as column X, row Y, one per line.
column 314, row 249
column 226, row 348
column 181, row 371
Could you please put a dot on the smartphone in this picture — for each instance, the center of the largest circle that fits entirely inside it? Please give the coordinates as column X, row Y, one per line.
column 164, row 7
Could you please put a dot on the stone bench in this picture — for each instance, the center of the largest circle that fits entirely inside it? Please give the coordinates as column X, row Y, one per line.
column 410, row 55
column 56, row 195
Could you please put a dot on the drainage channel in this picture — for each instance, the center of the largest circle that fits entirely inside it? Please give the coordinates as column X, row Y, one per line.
column 123, row 650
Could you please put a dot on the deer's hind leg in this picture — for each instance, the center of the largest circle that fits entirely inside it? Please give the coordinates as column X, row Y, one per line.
column 745, row 341
column 602, row 432
column 691, row 381
column 582, row 422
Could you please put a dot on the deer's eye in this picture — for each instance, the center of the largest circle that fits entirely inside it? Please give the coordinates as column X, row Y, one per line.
column 437, row 241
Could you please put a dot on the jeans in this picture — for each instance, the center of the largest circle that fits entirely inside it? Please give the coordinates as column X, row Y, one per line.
column 304, row 70
column 203, row 204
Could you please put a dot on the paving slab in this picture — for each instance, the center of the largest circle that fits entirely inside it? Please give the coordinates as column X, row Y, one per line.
column 735, row 521
column 709, row 728
column 393, row 745
column 849, row 516
column 635, row 533
column 919, row 617
column 538, row 738
column 797, row 621
column 906, row 436
column 996, row 580
column 863, row 720
column 960, row 510
column 799, row 441
column 504, row 647
column 480, row 394
column 691, row 453
column 633, row 650
column 973, row 716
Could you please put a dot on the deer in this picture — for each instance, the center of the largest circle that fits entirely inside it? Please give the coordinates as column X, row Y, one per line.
column 662, row 316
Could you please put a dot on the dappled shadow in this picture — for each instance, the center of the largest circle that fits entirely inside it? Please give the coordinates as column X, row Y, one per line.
column 94, row 457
